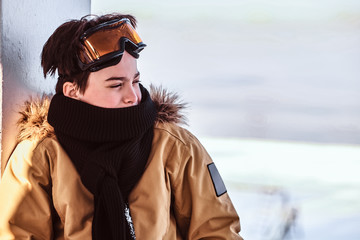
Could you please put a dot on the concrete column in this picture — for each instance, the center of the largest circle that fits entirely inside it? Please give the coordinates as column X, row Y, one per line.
column 1, row 84
column 25, row 27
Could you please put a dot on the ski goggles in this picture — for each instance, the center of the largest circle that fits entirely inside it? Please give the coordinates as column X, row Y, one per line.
column 104, row 44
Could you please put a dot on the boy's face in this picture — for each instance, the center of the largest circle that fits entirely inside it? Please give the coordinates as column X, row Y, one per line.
column 114, row 87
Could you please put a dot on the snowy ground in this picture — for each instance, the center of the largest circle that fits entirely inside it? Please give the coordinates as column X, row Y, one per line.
column 270, row 181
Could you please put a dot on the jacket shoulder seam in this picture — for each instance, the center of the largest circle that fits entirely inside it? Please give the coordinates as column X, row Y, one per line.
column 171, row 133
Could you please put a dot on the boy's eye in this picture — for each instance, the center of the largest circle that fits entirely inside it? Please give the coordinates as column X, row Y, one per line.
column 117, row 85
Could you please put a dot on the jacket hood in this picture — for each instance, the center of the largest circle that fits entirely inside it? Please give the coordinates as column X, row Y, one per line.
column 33, row 123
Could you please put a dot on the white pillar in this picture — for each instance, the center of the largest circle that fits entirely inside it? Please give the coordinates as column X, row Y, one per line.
column 25, row 27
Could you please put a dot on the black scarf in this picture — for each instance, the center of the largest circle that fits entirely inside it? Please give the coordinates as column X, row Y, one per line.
column 109, row 148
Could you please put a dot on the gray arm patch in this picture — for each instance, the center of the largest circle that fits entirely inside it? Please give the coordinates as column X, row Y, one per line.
column 218, row 183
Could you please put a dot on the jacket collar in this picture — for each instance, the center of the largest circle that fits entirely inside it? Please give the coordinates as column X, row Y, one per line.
column 33, row 123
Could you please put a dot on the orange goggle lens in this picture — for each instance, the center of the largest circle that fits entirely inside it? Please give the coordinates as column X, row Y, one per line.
column 106, row 41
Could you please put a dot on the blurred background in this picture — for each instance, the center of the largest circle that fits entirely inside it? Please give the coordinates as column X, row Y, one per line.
column 273, row 89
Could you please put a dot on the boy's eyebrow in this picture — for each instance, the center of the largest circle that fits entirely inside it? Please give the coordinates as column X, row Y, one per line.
column 137, row 74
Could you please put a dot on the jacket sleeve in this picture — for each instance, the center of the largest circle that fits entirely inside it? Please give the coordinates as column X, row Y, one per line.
column 25, row 209
column 202, row 208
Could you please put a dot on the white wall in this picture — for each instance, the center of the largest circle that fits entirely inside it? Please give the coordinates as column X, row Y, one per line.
column 25, row 27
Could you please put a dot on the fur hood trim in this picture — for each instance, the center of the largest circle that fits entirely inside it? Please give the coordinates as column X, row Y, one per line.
column 168, row 105
column 33, row 122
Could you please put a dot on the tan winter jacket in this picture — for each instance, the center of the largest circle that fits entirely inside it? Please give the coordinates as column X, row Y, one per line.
column 42, row 197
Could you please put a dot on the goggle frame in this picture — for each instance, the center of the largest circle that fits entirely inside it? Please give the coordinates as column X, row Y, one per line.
column 90, row 58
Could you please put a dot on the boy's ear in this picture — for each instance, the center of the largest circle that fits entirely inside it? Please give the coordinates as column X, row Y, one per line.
column 71, row 90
